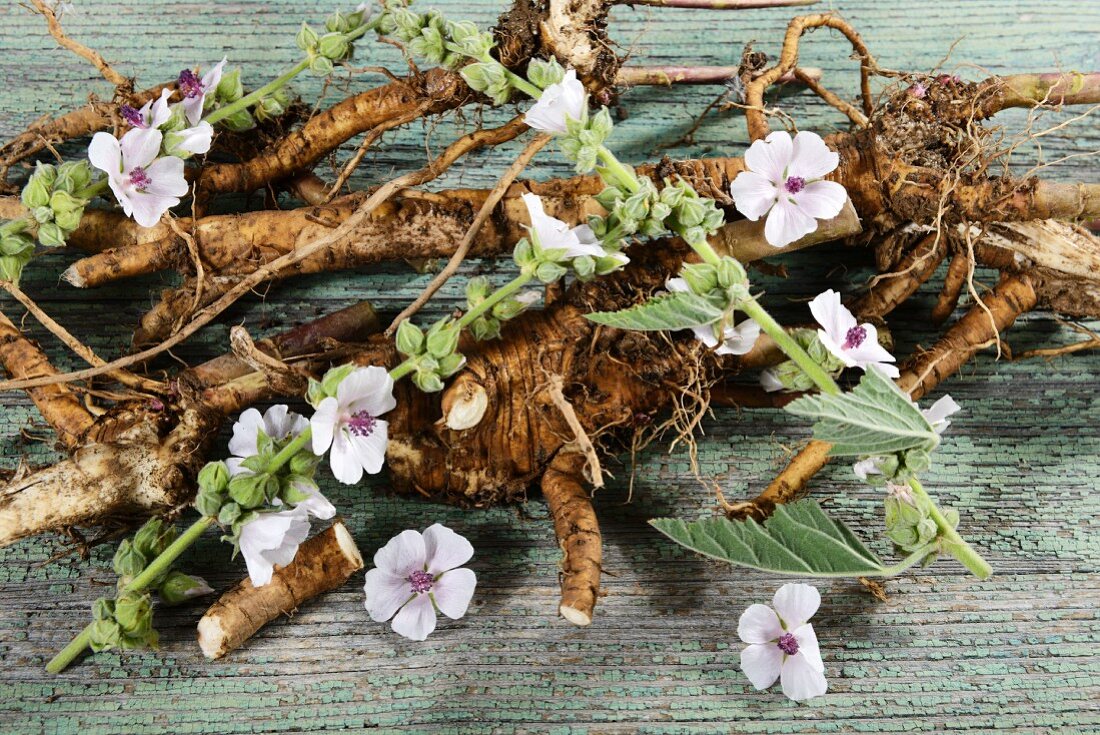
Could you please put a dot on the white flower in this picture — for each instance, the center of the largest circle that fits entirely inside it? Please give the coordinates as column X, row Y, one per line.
column 736, row 340
column 784, row 646
column 194, row 90
column 349, row 423
column 865, row 467
column 855, row 345
column 553, row 234
column 783, row 179
column 145, row 186
column 152, row 114
column 415, row 575
column 769, row 381
column 566, row 99
column 270, row 539
column 938, row 412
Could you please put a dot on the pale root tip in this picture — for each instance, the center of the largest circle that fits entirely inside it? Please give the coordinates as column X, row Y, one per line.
column 347, row 544
column 211, row 637
column 575, row 616
column 72, row 275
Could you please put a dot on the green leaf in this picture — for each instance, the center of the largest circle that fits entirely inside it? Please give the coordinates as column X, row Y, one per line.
column 669, row 312
column 799, row 538
column 874, row 418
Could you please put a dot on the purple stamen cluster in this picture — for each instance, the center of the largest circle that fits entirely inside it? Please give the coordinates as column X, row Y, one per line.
column 422, row 582
column 190, row 85
column 132, row 116
column 854, row 338
column 787, row 644
column 361, row 424
column 139, row 179
column 795, row 184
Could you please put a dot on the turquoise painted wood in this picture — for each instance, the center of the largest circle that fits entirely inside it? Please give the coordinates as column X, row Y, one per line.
column 945, row 653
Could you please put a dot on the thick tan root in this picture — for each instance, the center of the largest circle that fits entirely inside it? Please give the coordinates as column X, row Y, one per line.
column 1011, row 298
column 889, row 290
column 323, row 563
column 58, row 404
column 578, row 534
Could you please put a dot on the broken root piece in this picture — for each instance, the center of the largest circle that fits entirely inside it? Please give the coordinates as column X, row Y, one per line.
column 323, row 563
column 578, row 535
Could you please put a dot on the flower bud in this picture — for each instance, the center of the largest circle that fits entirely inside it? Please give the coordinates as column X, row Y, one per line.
column 229, row 514
column 249, row 491
column 37, row 191
column 72, row 176
column 336, row 23
column 103, row 609
column 214, row 476
column 153, row 538
column 702, row 278
column 306, row 38
column 128, row 561
column 334, row 46
column 442, row 338
column 544, row 73
column 230, row 88
column 485, row 328
column 104, row 635
column 584, row 267
column 450, row 365
column 549, row 272
column 320, row 66
column 608, row 197
column 11, row 266
column 427, row 381
column 178, row 587
column 410, row 338
column 51, row 235
column 242, row 120
column 134, row 611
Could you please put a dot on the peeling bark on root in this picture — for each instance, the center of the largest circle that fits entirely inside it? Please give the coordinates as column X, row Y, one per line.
column 1012, row 297
column 578, row 534
column 323, row 563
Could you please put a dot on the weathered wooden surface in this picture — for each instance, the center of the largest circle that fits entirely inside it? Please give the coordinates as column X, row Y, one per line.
column 945, row 653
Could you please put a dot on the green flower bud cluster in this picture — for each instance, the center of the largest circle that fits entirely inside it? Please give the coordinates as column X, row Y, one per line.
column 234, row 500
column 543, row 73
column 791, row 376
column 438, row 40
column 693, row 217
column 899, row 468
column 335, row 44
column 55, row 196
column 909, row 524
column 229, row 90
column 487, row 326
column 433, row 353
column 16, row 249
column 584, row 138
column 127, row 620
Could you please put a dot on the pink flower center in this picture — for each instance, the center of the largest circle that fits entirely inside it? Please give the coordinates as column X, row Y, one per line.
column 190, row 85
column 854, row 338
column 139, row 179
column 422, row 582
column 132, row 116
column 361, row 423
column 787, row 644
column 795, row 184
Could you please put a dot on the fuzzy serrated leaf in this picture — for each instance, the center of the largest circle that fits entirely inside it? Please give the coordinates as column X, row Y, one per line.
column 681, row 310
column 799, row 538
column 874, row 418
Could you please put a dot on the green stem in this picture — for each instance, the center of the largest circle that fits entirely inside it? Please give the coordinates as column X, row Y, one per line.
column 623, row 176
column 138, row 584
column 950, row 540
column 517, row 81
column 907, row 562
column 91, row 191
column 234, row 107
column 790, row 347
column 287, row 453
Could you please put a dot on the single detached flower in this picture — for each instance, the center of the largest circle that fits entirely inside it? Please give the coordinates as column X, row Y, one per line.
column 194, row 90
column 350, row 424
column 784, row 181
column 938, row 412
column 270, row 539
column 553, row 234
column 736, row 339
column 854, row 344
column 414, row 575
column 146, row 186
column 565, row 99
column 782, row 643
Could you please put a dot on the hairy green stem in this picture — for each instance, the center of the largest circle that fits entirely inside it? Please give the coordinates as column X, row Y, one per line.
column 790, row 347
column 950, row 540
column 276, row 84
column 623, row 176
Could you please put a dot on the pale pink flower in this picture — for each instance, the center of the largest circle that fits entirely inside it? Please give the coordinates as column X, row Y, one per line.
column 553, row 234
column 415, row 575
column 349, row 423
column 782, row 643
column 784, row 180
column 272, row 539
column 194, row 90
column 854, row 344
column 565, row 99
column 146, row 186
column 937, row 413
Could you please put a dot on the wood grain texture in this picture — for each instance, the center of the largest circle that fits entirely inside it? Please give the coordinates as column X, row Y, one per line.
column 1017, row 653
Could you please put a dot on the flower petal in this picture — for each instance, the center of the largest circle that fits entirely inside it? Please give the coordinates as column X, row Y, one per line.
column 771, row 157
column 367, row 389
column 344, row 460
column 195, row 140
column 801, row 680
column 166, row 177
column 416, row 620
column 140, row 147
column 832, row 315
column 739, row 340
column 938, row 412
column 453, row 592
column 402, row 555
column 157, row 113
column 870, row 352
column 567, row 98
column 769, row 382
column 787, row 223
column 807, row 646
column 677, row 285
column 759, row 624
column 835, row 348
column 369, row 451
column 323, row 423
column 146, row 209
column 865, row 467
column 386, row 593
column 796, row 603
column 445, row 549
column 192, row 108
column 245, row 433
column 822, row 199
column 705, row 334
column 316, row 505
column 753, row 194
column 762, row 663
column 810, row 157
column 105, row 153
